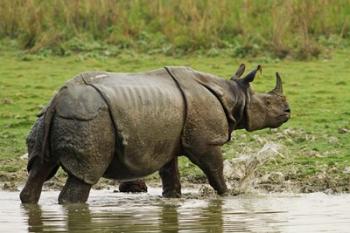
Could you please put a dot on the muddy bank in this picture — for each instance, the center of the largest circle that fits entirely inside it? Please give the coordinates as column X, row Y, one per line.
column 262, row 182
column 277, row 182
column 266, row 183
column 244, row 174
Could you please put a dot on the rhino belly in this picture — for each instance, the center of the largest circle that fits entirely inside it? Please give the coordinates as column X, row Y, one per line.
column 151, row 142
column 143, row 161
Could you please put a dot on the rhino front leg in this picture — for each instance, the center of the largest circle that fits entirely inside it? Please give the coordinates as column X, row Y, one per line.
column 134, row 186
column 211, row 163
column 38, row 174
column 170, row 176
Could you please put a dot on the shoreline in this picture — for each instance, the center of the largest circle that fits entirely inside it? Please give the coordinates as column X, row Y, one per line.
column 263, row 183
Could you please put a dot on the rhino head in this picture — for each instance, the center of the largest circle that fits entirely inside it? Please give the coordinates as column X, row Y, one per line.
column 262, row 110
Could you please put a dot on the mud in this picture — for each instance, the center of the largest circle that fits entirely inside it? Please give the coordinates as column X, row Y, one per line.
column 243, row 175
column 269, row 183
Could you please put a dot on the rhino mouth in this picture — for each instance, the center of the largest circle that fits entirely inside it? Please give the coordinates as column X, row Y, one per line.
column 284, row 117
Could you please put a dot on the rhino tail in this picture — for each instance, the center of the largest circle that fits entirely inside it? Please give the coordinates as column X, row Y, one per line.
column 48, row 116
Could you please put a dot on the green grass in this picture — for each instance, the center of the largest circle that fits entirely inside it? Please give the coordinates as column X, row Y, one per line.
column 296, row 28
column 316, row 138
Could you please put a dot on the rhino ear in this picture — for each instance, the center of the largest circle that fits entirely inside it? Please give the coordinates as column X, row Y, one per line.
column 239, row 72
column 250, row 77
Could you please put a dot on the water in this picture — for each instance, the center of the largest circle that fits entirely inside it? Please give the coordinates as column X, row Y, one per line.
column 116, row 212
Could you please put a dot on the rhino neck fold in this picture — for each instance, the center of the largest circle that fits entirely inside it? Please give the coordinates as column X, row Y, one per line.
column 245, row 111
column 210, row 102
column 183, row 96
column 241, row 96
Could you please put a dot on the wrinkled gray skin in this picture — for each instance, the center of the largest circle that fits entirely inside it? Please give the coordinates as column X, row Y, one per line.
column 117, row 141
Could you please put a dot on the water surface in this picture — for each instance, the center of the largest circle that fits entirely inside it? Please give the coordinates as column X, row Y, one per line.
column 116, row 212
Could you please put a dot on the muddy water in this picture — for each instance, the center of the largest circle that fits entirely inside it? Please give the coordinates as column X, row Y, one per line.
column 116, row 212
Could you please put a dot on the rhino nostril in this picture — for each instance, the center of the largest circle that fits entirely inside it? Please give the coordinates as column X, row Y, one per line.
column 287, row 110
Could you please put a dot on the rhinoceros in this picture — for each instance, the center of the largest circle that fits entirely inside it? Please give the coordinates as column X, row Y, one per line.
column 125, row 126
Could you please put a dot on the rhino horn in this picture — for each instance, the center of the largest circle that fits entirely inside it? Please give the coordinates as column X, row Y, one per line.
column 250, row 77
column 278, row 88
column 239, row 72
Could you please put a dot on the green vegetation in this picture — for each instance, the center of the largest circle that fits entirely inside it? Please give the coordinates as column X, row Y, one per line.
column 316, row 140
column 291, row 28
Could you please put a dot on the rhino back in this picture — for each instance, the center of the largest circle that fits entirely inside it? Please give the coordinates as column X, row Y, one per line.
column 148, row 112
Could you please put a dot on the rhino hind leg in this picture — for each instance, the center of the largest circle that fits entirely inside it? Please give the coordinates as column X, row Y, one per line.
column 38, row 174
column 210, row 161
column 170, row 176
column 135, row 186
column 84, row 148
column 74, row 191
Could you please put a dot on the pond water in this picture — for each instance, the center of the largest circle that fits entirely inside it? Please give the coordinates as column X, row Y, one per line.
column 117, row 212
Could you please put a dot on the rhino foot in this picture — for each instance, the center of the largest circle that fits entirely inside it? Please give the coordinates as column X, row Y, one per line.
column 28, row 197
column 135, row 186
column 74, row 191
column 38, row 174
column 171, row 194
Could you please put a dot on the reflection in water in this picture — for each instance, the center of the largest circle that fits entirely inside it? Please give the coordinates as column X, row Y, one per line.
column 197, row 216
column 164, row 216
column 211, row 217
column 35, row 221
column 168, row 218
column 117, row 212
column 78, row 217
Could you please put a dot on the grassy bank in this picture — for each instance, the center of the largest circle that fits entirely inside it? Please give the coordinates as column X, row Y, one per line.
column 294, row 28
column 316, row 140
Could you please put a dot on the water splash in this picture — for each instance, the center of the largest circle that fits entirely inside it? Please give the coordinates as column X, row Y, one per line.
column 241, row 171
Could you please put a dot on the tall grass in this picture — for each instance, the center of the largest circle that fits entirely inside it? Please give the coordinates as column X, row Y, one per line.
column 289, row 27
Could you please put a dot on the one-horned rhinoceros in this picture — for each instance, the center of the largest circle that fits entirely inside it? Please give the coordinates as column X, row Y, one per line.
column 125, row 126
